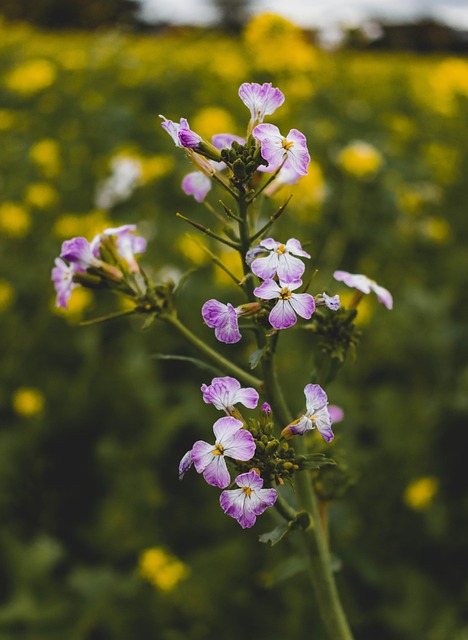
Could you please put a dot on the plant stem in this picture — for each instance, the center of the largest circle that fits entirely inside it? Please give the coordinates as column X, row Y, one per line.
column 211, row 354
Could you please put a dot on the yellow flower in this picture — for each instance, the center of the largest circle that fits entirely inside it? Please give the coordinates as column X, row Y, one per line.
column 14, row 220
column 420, row 492
column 31, row 76
column 447, row 80
column 190, row 247
column 162, row 569
column 437, row 229
column 211, row 120
column 155, row 167
column 41, row 195
column 86, row 224
column 7, row 295
column 28, row 402
column 231, row 261
column 46, row 154
column 360, row 159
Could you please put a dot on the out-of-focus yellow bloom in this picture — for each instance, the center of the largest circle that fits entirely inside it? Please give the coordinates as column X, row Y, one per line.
column 41, row 195
column 162, row 569
column 437, row 229
column 275, row 44
column 155, row 167
column 447, row 79
column 86, row 225
column 7, row 295
column 211, row 120
column 190, row 247
column 73, row 59
column 231, row 261
column 444, row 162
column 14, row 220
column 227, row 63
column 360, row 159
column 81, row 300
column 365, row 307
column 7, row 119
column 310, row 190
column 419, row 493
column 28, row 402
column 30, row 77
column 46, row 154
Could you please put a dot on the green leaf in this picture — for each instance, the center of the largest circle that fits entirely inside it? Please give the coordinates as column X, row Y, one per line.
column 278, row 533
column 255, row 358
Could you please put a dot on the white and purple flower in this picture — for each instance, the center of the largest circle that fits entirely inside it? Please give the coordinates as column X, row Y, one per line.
column 249, row 501
column 283, row 314
column 366, row 285
column 281, row 260
column 173, row 129
column 127, row 244
column 276, row 148
column 225, row 392
column 223, row 318
column 81, row 252
column 62, row 277
column 232, row 441
column 316, row 415
column 332, row 302
column 260, row 99
column 196, row 184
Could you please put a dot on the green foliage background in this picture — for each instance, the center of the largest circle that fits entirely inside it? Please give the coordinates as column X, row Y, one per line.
column 88, row 464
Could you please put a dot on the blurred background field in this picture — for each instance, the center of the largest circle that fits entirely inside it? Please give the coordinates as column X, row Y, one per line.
column 98, row 539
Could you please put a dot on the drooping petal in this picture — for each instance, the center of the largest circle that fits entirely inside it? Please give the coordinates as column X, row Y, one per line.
column 196, row 184
column 223, row 319
column 354, row 280
column 383, row 295
column 316, row 398
column 268, row 290
column 299, row 427
column 295, row 247
column 185, row 464
column 216, row 473
column 214, row 313
column 303, row 304
column 248, row 397
column 62, row 277
column 322, row 421
column 282, row 315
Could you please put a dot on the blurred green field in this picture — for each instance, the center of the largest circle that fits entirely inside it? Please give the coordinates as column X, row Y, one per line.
column 98, row 539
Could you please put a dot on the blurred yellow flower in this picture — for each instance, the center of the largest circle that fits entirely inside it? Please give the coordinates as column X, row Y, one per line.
column 365, row 307
column 155, row 167
column 31, row 76
column 419, row 494
column 190, row 247
column 46, row 154
column 81, row 300
column 73, row 59
column 14, row 220
column 76, row 224
column 41, row 195
column 162, row 569
column 231, row 261
column 28, row 402
column 275, row 44
column 7, row 295
column 211, row 120
column 437, row 229
column 360, row 159
column 447, row 79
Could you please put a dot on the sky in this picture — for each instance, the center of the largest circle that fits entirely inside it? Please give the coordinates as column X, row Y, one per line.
column 316, row 13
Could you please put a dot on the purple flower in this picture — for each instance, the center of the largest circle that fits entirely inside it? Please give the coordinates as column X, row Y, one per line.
column 196, row 184
column 262, row 99
column 232, row 441
column 332, row 302
column 127, row 244
column 223, row 318
column 188, row 138
column 281, row 260
column 185, row 464
column 225, row 392
column 62, row 277
column 81, row 252
column 225, row 140
column 366, row 285
column 249, row 501
column 336, row 413
column 316, row 415
column 283, row 314
column 276, row 148
column 173, row 128
column 266, row 409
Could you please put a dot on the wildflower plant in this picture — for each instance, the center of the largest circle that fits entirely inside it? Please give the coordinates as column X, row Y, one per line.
column 255, row 458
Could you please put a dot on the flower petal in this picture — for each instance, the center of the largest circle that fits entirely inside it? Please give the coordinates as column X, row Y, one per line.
column 268, row 290
column 196, row 184
column 303, row 304
column 282, row 315
column 383, row 295
column 316, row 398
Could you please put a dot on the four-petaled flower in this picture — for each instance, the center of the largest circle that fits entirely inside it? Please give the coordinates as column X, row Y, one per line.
column 232, row 441
column 261, row 99
column 225, row 392
column 281, row 260
column 366, row 285
column 276, row 148
column 283, row 314
column 316, row 415
column 249, row 501
column 223, row 318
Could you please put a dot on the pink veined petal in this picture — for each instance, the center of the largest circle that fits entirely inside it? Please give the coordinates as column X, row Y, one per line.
column 270, row 244
column 261, row 499
column 185, row 464
column 355, row 280
column 229, row 332
column 232, row 502
column 250, row 479
column 225, row 427
column 214, row 313
column 289, row 268
column 301, row 426
column 273, row 152
column 303, row 304
column 196, row 184
column 282, row 315
column 239, row 446
column 323, row 424
column 266, row 267
column 216, row 473
column 295, row 247
column 383, row 295
column 316, row 398
column 292, row 285
column 268, row 290
column 221, row 392
column 248, row 397
column 202, row 454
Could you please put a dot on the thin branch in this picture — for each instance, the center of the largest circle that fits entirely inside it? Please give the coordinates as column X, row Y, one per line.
column 208, row 232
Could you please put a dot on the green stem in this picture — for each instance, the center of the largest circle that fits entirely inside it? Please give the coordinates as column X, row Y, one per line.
column 211, row 354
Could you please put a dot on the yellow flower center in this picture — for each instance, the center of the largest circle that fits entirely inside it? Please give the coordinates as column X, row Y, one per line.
column 247, row 491
column 281, row 249
column 285, row 293
column 287, row 144
column 218, row 450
